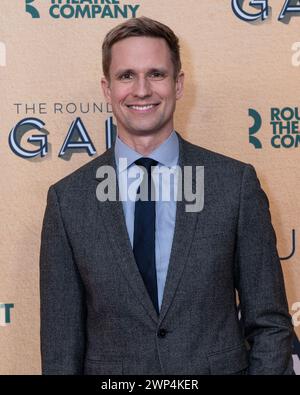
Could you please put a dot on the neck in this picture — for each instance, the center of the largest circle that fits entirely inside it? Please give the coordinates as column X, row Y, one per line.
column 144, row 145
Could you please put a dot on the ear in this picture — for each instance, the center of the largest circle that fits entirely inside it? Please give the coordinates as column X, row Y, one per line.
column 106, row 89
column 179, row 85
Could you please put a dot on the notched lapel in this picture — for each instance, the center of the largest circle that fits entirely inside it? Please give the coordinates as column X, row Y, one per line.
column 185, row 225
column 113, row 218
column 111, row 213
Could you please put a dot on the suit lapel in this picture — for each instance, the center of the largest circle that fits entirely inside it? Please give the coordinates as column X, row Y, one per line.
column 183, row 234
column 113, row 218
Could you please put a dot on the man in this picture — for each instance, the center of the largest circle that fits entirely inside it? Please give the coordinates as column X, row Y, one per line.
column 132, row 287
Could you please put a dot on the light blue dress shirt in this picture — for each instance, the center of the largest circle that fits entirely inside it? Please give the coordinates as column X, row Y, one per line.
column 166, row 154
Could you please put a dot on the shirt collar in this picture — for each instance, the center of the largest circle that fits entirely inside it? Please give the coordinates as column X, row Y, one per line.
column 165, row 154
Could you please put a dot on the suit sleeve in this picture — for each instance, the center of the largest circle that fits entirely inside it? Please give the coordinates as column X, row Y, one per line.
column 259, row 280
column 62, row 304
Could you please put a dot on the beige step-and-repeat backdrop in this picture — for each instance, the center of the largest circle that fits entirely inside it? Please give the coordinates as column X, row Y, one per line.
column 242, row 66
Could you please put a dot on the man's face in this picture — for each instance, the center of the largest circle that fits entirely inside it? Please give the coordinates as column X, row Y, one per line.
column 142, row 89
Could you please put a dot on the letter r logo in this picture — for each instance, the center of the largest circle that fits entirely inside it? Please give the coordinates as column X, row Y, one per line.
column 31, row 9
column 255, row 128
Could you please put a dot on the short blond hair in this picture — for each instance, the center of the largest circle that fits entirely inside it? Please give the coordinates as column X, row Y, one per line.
column 141, row 27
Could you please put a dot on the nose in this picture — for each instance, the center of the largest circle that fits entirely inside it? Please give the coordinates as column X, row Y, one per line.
column 142, row 87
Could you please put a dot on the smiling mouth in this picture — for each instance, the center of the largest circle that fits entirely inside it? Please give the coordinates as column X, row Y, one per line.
column 142, row 108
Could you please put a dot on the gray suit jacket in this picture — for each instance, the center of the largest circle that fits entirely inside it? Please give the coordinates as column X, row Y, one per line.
column 96, row 315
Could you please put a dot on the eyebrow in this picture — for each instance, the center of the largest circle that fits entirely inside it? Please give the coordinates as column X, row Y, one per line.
column 161, row 70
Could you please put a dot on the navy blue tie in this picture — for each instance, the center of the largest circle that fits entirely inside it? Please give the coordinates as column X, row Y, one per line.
column 144, row 232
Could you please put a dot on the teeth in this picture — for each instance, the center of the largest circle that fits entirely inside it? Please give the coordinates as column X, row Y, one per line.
column 142, row 108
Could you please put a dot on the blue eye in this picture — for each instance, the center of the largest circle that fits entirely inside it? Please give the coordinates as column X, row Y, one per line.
column 126, row 76
column 157, row 75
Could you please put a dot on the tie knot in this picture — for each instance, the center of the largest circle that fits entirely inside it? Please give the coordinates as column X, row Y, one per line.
column 146, row 162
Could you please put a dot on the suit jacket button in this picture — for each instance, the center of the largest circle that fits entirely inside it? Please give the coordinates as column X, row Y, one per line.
column 161, row 333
